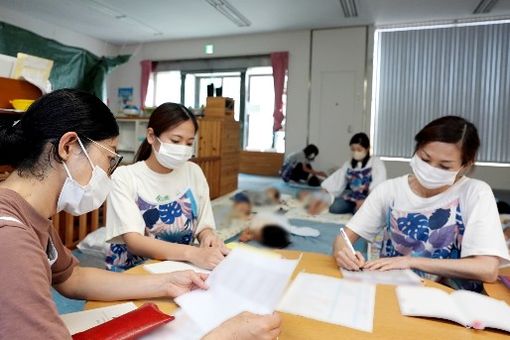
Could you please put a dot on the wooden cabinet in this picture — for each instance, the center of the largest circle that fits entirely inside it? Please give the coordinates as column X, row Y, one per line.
column 218, row 153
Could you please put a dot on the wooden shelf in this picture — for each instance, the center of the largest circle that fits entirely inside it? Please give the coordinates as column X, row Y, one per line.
column 9, row 113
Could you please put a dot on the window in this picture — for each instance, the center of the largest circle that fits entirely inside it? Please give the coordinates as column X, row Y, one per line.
column 164, row 87
column 258, row 135
column 196, row 83
column 251, row 87
column 422, row 74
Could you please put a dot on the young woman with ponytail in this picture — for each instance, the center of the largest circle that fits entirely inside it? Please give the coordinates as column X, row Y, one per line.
column 160, row 204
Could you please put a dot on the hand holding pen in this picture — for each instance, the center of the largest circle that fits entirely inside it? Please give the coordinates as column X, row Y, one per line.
column 345, row 255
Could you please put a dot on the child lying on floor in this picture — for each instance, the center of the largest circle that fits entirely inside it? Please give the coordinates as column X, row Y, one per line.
column 314, row 202
column 244, row 201
column 273, row 230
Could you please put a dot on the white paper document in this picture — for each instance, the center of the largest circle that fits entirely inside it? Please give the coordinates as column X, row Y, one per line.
column 244, row 281
column 332, row 300
column 181, row 328
column 467, row 308
column 391, row 277
column 172, row 266
column 81, row 321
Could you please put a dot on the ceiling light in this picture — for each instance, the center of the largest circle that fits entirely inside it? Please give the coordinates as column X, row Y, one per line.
column 230, row 12
column 485, row 6
column 349, row 8
column 100, row 7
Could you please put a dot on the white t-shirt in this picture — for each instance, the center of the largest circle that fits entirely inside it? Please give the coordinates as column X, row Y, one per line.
column 460, row 222
column 158, row 205
column 356, row 178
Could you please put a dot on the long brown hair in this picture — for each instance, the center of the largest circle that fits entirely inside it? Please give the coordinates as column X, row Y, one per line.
column 454, row 130
column 164, row 117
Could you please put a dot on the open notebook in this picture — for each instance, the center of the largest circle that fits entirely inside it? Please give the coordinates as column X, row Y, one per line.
column 464, row 307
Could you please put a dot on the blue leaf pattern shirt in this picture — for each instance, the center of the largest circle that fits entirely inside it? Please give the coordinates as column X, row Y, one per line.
column 354, row 184
column 462, row 221
column 172, row 207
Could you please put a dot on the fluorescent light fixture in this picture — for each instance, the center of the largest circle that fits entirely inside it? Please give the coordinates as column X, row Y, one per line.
column 350, row 8
column 230, row 12
column 105, row 9
column 484, row 6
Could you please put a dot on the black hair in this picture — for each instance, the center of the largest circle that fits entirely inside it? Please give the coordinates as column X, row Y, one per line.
column 277, row 194
column 362, row 139
column 311, row 149
column 164, row 117
column 240, row 197
column 30, row 144
column 454, row 130
column 275, row 236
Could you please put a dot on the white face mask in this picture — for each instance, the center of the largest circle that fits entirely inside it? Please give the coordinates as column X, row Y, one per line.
column 359, row 155
column 431, row 177
column 77, row 199
column 173, row 156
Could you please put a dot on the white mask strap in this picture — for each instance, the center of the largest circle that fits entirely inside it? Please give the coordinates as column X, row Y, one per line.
column 67, row 170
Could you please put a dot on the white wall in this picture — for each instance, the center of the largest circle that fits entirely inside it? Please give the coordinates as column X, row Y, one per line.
column 338, row 71
column 296, row 42
column 60, row 34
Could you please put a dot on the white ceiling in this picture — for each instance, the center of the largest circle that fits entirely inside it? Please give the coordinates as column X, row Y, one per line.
column 182, row 19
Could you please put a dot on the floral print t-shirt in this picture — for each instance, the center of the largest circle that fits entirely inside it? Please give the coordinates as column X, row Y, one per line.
column 172, row 207
column 460, row 222
column 354, row 184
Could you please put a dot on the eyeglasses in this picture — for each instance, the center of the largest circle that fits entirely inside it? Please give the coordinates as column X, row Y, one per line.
column 114, row 162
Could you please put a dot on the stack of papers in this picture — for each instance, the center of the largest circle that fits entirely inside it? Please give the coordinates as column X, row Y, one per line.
column 244, row 281
column 331, row 300
column 467, row 308
column 391, row 277
column 172, row 266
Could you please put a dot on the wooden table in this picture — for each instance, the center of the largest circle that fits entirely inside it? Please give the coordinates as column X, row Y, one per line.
column 497, row 289
column 388, row 322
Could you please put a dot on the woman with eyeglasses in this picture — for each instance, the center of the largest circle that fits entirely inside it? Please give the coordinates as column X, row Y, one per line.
column 63, row 150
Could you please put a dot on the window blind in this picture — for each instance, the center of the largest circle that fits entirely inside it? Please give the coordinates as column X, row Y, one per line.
column 422, row 74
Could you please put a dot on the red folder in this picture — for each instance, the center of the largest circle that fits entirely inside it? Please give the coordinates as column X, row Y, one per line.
column 129, row 326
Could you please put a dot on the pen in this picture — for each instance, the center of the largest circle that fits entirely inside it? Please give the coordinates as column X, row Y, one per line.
column 343, row 235
column 347, row 241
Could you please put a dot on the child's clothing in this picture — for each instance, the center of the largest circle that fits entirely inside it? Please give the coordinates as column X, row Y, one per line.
column 348, row 185
column 460, row 222
column 263, row 219
column 172, row 207
column 256, row 198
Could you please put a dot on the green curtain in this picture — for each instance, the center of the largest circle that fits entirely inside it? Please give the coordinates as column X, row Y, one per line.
column 73, row 67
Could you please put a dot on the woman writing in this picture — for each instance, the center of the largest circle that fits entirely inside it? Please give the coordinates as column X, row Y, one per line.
column 437, row 221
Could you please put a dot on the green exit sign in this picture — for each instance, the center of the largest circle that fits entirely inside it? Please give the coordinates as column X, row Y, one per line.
column 209, row 49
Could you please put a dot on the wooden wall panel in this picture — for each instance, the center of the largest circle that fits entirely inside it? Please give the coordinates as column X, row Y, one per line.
column 261, row 163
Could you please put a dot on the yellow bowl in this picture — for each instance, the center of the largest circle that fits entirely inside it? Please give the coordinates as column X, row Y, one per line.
column 21, row 104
